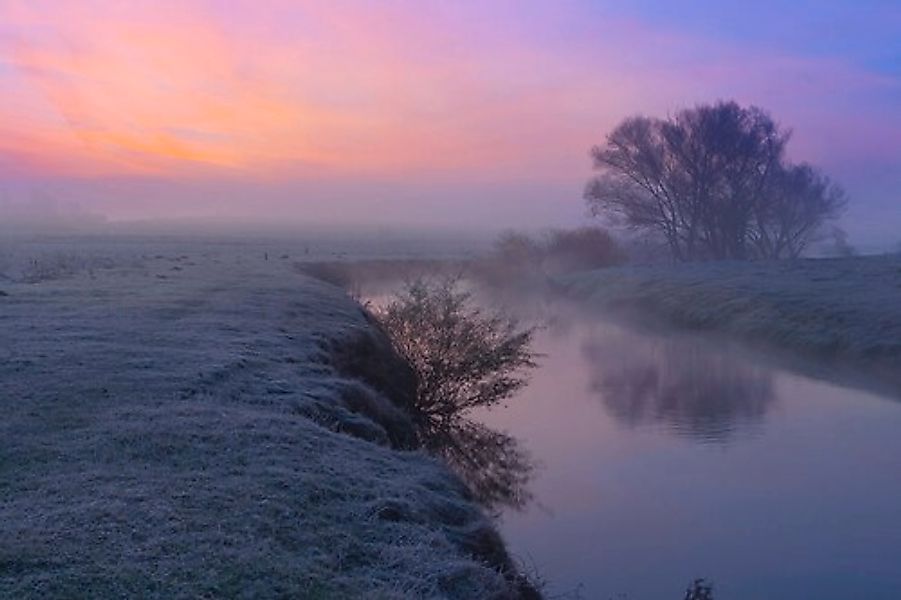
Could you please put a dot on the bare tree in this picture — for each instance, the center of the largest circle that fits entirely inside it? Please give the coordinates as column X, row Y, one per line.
column 463, row 358
column 520, row 258
column 793, row 211
column 712, row 181
column 635, row 185
column 516, row 257
column 840, row 244
column 517, row 249
column 699, row 590
column 581, row 249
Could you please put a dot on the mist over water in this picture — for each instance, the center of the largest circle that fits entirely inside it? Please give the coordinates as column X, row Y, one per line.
column 666, row 456
column 662, row 455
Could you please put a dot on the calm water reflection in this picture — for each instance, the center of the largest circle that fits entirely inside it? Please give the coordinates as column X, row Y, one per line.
column 494, row 465
column 668, row 457
column 683, row 385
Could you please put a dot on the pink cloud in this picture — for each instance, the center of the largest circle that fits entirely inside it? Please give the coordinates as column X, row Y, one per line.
column 429, row 95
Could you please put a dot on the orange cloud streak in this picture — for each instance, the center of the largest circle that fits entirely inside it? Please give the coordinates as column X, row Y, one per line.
column 286, row 89
column 166, row 89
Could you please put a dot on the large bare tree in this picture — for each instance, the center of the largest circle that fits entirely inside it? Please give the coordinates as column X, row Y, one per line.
column 793, row 211
column 713, row 182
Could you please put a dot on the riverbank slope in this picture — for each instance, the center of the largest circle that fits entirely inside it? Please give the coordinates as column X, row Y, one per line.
column 190, row 424
column 838, row 308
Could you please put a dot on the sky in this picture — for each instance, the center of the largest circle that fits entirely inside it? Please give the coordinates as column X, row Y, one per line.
column 463, row 114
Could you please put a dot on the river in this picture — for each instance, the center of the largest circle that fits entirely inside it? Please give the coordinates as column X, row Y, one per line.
column 664, row 457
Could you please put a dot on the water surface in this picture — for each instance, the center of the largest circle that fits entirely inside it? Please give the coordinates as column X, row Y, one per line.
column 666, row 456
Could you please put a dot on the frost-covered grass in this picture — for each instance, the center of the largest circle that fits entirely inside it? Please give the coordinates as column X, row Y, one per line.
column 848, row 307
column 176, row 428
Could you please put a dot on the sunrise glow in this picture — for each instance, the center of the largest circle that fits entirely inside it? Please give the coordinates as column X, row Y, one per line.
column 429, row 95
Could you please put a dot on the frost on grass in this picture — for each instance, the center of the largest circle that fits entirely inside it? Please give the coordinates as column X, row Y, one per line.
column 190, row 437
column 847, row 307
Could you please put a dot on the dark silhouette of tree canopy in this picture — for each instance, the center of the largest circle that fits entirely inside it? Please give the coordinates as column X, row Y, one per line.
column 581, row 249
column 714, row 183
column 699, row 590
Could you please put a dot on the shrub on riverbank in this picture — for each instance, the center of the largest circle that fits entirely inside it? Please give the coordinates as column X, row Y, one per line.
column 463, row 358
column 518, row 258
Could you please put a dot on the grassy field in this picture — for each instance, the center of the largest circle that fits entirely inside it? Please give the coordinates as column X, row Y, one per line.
column 179, row 425
column 849, row 307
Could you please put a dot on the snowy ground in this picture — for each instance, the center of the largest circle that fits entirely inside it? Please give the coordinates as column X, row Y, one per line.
column 848, row 307
column 174, row 427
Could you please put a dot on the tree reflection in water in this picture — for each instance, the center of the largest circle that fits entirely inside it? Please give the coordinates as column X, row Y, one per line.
column 494, row 465
column 683, row 384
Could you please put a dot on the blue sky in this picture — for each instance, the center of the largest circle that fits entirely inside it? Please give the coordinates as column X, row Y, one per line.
column 866, row 32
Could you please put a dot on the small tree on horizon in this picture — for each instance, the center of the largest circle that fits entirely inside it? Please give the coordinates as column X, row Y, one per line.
column 583, row 248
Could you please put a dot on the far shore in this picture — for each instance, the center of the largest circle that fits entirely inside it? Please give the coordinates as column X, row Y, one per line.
column 841, row 309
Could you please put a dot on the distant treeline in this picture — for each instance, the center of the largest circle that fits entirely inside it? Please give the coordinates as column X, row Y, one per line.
column 519, row 256
column 514, row 257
